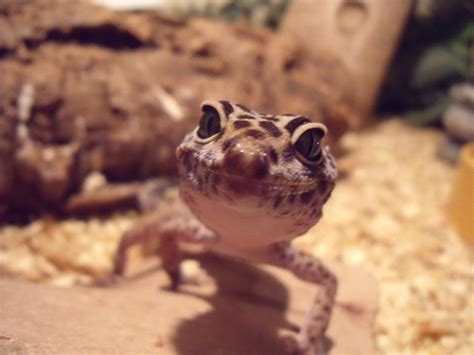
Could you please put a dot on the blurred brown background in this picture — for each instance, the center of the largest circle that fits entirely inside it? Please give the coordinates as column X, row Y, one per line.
column 95, row 98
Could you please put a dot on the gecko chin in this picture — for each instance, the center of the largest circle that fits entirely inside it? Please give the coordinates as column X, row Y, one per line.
column 253, row 208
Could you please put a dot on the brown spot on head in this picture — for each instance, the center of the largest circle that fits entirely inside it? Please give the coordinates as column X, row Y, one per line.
column 271, row 118
column 246, row 117
column 270, row 128
column 206, row 176
column 292, row 198
column 306, row 196
column 229, row 143
column 241, row 124
column 255, row 133
column 226, row 105
column 322, row 186
column 295, row 123
column 243, row 108
column 185, row 157
column 273, row 155
column 278, row 201
column 199, row 182
column 216, row 179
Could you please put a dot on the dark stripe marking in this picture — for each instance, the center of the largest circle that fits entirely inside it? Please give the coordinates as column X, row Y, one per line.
column 255, row 133
column 229, row 143
column 306, row 196
column 278, row 201
column 322, row 186
column 273, row 155
column 271, row 118
column 295, row 123
column 246, row 117
column 270, row 128
column 292, row 198
column 241, row 124
column 226, row 105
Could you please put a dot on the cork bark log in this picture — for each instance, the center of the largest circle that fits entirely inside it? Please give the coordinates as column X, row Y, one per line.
column 84, row 89
column 361, row 34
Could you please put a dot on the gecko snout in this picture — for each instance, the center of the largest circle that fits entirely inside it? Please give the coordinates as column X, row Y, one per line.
column 248, row 163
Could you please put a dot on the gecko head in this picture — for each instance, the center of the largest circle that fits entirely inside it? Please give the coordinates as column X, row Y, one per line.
column 250, row 162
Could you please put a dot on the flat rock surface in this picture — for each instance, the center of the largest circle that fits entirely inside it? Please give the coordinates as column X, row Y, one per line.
column 251, row 311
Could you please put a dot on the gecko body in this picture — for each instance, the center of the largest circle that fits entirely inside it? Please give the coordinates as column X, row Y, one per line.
column 249, row 184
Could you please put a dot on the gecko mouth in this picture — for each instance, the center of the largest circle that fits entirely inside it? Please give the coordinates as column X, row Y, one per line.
column 246, row 195
column 211, row 181
column 303, row 185
column 209, row 177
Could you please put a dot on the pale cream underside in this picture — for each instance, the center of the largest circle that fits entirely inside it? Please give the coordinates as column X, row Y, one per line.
column 243, row 231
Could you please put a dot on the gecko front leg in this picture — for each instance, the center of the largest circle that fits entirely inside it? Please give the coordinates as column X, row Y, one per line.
column 142, row 232
column 170, row 229
column 185, row 229
column 306, row 267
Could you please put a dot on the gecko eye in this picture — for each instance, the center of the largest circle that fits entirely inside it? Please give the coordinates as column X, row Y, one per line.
column 210, row 123
column 308, row 145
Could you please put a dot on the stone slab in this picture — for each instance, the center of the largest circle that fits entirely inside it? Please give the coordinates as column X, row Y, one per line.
column 253, row 308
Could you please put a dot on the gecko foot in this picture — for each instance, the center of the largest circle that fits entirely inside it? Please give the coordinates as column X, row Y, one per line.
column 118, row 267
column 190, row 272
column 109, row 280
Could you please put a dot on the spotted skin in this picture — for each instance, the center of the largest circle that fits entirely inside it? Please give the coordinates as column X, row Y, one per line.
column 246, row 192
column 271, row 128
column 307, row 268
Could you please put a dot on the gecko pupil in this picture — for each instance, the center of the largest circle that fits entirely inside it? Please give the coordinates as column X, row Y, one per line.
column 209, row 124
column 309, row 144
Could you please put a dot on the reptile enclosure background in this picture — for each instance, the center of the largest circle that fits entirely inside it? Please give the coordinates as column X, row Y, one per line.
column 94, row 101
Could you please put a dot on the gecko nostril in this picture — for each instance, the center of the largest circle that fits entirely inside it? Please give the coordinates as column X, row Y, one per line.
column 249, row 164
